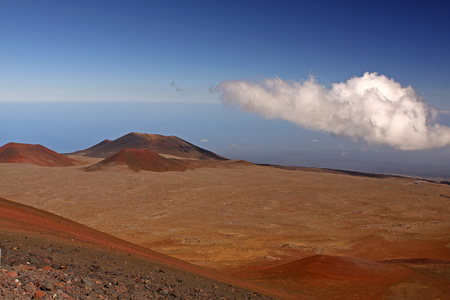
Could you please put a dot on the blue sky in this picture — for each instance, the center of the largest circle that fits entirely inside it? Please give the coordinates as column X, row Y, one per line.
column 60, row 52
column 133, row 50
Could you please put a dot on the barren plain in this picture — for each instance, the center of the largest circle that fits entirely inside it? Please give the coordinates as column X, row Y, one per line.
column 238, row 218
column 228, row 214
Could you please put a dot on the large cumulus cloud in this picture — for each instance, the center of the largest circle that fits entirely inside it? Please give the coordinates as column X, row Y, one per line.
column 373, row 108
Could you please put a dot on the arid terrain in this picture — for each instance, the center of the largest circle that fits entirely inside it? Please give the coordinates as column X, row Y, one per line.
column 307, row 232
column 50, row 257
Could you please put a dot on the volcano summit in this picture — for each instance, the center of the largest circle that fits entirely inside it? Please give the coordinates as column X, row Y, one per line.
column 169, row 145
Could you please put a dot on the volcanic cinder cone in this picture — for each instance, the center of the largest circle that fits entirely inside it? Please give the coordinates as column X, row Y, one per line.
column 169, row 145
column 33, row 154
column 140, row 159
column 327, row 267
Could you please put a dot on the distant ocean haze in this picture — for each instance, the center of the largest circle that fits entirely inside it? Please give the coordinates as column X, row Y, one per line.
column 68, row 127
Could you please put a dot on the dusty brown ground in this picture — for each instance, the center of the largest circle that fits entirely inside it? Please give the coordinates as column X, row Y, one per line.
column 233, row 216
column 39, row 247
column 236, row 213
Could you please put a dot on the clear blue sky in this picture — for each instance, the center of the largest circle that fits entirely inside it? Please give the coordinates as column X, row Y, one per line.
column 174, row 51
column 133, row 50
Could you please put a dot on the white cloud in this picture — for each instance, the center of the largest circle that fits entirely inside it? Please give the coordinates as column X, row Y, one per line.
column 373, row 108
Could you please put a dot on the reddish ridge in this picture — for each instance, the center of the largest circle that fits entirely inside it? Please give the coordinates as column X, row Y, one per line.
column 33, row 154
column 19, row 217
column 142, row 159
column 327, row 267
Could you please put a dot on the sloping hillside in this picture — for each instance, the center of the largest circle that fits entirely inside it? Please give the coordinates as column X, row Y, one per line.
column 33, row 154
column 169, row 145
column 140, row 159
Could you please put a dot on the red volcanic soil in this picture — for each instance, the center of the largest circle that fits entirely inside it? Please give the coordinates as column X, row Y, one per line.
column 170, row 145
column 17, row 216
column 335, row 277
column 33, row 154
column 143, row 159
column 17, row 221
column 326, row 267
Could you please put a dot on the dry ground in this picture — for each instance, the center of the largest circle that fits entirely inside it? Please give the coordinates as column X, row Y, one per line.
column 50, row 257
column 232, row 215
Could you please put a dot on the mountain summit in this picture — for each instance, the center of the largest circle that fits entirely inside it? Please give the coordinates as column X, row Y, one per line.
column 169, row 145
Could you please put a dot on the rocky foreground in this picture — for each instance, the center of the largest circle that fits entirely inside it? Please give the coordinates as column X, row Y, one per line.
column 34, row 267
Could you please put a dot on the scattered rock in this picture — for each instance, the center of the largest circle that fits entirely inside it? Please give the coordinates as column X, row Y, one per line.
column 46, row 285
column 38, row 294
column 29, row 273
column 12, row 274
